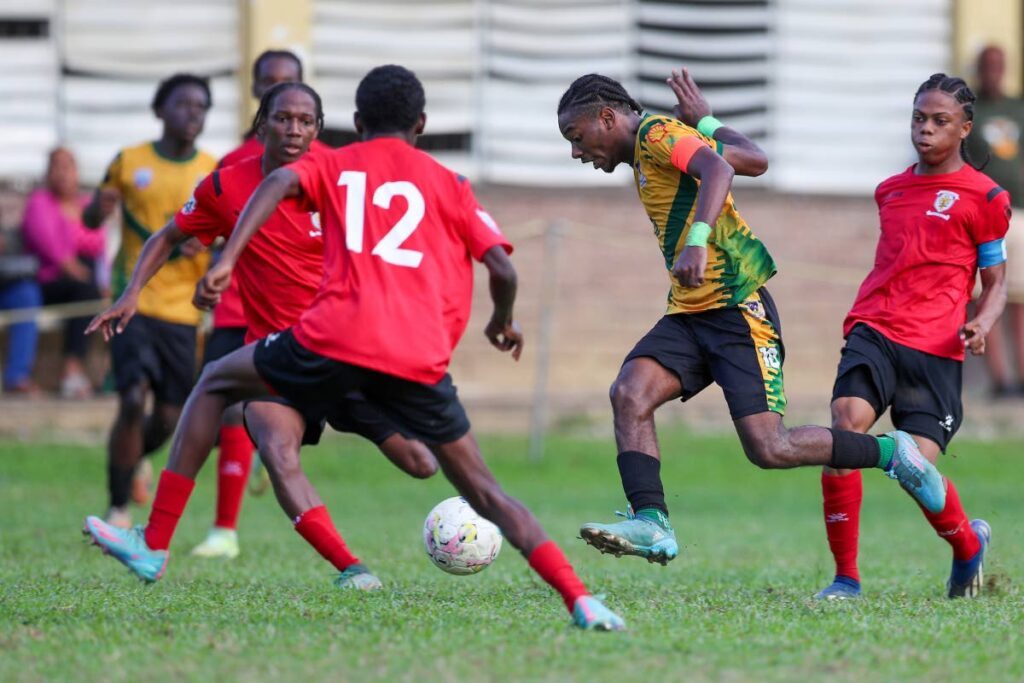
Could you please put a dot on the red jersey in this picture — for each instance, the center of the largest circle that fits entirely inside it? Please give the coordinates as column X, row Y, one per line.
column 927, row 257
column 280, row 269
column 400, row 231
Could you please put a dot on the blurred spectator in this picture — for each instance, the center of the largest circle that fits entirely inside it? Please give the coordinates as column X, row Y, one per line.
column 998, row 125
column 18, row 290
column 53, row 230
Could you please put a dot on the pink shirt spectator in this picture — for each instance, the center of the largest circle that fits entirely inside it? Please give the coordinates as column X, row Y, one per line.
column 53, row 237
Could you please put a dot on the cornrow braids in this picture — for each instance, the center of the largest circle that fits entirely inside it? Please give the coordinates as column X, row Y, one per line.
column 267, row 102
column 962, row 93
column 594, row 91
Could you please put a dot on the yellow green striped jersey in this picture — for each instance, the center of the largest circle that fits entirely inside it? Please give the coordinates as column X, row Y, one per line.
column 153, row 188
column 738, row 262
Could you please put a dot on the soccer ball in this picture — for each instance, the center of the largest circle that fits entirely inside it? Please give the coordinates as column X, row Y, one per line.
column 458, row 540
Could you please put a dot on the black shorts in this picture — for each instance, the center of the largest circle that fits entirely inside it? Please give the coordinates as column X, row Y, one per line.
column 739, row 348
column 223, row 341
column 921, row 390
column 428, row 412
column 159, row 353
column 353, row 413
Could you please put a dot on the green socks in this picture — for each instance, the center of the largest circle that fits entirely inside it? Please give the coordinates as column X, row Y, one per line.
column 886, row 449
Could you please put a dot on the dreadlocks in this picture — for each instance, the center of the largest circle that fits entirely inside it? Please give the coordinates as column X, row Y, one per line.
column 267, row 101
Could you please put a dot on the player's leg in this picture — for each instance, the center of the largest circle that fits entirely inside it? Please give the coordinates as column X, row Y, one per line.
column 279, row 431
column 355, row 414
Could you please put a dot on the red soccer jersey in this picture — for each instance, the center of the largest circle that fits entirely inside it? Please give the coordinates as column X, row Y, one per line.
column 279, row 271
column 400, row 231
column 927, row 257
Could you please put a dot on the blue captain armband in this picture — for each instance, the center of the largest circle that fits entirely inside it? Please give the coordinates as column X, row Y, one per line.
column 991, row 253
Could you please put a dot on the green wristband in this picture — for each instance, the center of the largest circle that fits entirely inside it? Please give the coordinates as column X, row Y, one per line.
column 708, row 125
column 698, row 235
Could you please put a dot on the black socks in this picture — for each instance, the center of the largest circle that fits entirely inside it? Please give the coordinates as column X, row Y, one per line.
column 641, row 480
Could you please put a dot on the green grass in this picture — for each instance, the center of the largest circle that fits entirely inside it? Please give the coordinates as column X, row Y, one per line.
column 735, row 605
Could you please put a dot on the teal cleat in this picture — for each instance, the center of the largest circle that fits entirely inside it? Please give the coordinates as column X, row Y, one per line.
column 968, row 576
column 128, row 546
column 358, row 577
column 640, row 536
column 590, row 614
column 915, row 474
column 842, row 588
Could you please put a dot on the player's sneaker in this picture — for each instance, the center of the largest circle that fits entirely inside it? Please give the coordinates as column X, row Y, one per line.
column 128, row 546
column 915, row 474
column 259, row 479
column 142, row 482
column 638, row 535
column 590, row 614
column 219, row 542
column 358, row 577
column 841, row 588
column 968, row 576
column 119, row 517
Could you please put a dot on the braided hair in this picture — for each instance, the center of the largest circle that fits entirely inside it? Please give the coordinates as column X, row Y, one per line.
column 959, row 90
column 594, row 91
column 267, row 101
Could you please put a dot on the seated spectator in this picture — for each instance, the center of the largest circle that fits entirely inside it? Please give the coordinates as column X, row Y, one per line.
column 18, row 290
column 53, row 230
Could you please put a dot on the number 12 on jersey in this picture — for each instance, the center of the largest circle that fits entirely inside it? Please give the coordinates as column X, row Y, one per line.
column 389, row 248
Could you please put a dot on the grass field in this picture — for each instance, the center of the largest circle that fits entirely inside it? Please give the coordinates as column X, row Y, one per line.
column 735, row 605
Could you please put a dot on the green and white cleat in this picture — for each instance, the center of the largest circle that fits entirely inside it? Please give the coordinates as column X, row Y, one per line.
column 358, row 577
column 647, row 534
column 220, row 542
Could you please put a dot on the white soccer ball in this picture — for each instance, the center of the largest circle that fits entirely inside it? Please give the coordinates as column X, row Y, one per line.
column 458, row 540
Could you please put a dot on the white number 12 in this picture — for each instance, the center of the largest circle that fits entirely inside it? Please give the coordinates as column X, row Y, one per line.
column 390, row 246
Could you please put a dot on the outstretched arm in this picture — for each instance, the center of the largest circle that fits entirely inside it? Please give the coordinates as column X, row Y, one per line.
column 743, row 155
column 502, row 329
column 153, row 256
column 990, row 306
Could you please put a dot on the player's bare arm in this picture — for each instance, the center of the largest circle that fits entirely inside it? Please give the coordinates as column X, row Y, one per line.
column 990, row 306
column 153, row 256
column 282, row 183
column 741, row 152
column 104, row 201
column 715, row 177
column 502, row 330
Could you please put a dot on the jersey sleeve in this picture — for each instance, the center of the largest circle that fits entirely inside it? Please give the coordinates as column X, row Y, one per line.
column 994, row 217
column 309, row 168
column 201, row 216
column 672, row 143
column 481, row 231
column 112, row 177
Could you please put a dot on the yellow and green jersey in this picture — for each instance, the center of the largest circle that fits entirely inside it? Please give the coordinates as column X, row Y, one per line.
column 738, row 262
column 153, row 188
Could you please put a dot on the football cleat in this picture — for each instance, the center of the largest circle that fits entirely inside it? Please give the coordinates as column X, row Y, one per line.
column 842, row 588
column 128, row 546
column 968, row 577
column 915, row 474
column 640, row 536
column 219, row 542
column 590, row 614
column 358, row 577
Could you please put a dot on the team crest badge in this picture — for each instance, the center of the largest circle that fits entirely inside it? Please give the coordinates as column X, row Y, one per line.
column 755, row 308
column 190, row 205
column 142, row 178
column 944, row 201
column 656, row 133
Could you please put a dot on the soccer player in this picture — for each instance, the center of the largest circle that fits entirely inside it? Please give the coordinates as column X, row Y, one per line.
column 235, row 460
column 156, row 353
column 721, row 324
column 278, row 277
column 941, row 221
column 400, row 232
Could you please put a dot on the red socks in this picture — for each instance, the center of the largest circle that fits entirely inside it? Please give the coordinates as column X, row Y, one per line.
column 842, row 498
column 172, row 495
column 316, row 527
column 952, row 525
column 233, row 465
column 550, row 562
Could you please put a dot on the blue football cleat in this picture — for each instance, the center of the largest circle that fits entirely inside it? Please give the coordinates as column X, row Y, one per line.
column 640, row 536
column 590, row 614
column 128, row 546
column 968, row 576
column 915, row 474
column 841, row 588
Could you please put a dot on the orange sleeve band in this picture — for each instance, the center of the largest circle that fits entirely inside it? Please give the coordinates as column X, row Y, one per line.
column 684, row 149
